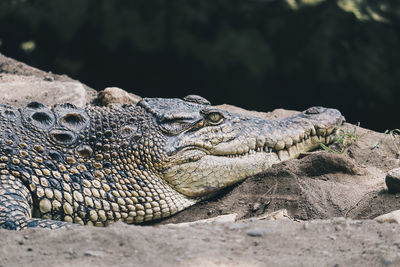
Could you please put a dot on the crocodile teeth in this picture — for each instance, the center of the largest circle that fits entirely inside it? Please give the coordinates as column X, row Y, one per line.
column 296, row 139
column 321, row 131
column 329, row 131
column 279, row 145
column 313, row 131
column 287, row 147
column 268, row 149
column 283, row 155
column 315, row 139
column 292, row 151
column 288, row 142
column 260, row 141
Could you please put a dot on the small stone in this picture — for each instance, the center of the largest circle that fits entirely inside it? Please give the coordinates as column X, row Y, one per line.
column 338, row 228
column 256, row 232
column 393, row 180
column 386, row 261
column 256, row 206
column 94, row 253
column 48, row 78
column 115, row 95
column 392, row 217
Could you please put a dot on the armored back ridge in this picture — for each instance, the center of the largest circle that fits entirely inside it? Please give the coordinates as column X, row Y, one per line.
column 98, row 165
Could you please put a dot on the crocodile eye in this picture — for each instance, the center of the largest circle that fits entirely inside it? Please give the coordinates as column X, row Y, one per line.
column 214, row 117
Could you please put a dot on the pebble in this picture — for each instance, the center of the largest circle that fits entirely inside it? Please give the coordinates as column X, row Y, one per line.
column 392, row 217
column 48, row 78
column 256, row 206
column 93, row 253
column 115, row 95
column 386, row 261
column 257, row 232
column 338, row 228
column 393, row 180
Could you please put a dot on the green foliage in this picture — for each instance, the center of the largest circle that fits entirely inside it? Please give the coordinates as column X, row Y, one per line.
column 344, row 137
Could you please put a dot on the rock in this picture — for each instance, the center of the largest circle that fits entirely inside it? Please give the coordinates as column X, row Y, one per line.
column 386, row 261
column 21, row 84
column 115, row 95
column 94, row 253
column 218, row 219
column 392, row 217
column 21, row 90
column 257, row 232
column 393, row 180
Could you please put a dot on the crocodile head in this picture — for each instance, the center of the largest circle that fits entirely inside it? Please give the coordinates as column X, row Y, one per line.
column 206, row 148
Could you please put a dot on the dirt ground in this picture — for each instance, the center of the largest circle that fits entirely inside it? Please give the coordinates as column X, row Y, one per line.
column 321, row 185
column 330, row 197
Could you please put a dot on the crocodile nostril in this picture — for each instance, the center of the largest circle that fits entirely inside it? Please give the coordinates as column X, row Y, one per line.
column 314, row 110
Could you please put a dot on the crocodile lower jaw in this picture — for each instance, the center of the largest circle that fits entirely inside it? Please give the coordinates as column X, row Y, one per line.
column 213, row 172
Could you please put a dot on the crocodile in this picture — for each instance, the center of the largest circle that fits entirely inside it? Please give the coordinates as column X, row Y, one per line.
column 63, row 166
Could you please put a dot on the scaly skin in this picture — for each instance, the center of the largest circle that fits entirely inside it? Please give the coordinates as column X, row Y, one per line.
column 66, row 165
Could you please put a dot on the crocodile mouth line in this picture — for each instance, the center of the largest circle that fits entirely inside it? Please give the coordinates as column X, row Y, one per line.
column 310, row 139
column 290, row 148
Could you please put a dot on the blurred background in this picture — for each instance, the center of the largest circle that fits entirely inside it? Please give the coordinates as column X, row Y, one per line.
column 256, row 54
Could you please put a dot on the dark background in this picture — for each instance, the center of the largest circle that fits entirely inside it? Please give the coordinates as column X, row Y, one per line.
column 257, row 54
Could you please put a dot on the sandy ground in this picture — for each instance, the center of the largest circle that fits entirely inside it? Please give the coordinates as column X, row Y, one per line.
column 331, row 197
column 337, row 242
